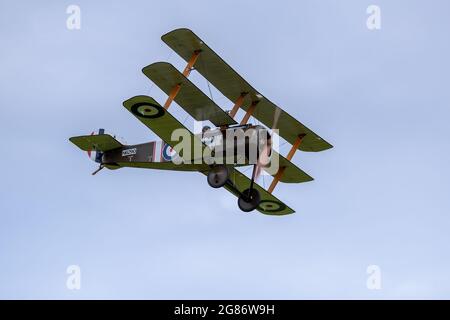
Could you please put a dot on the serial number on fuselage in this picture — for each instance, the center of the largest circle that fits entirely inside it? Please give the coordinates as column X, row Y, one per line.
column 129, row 152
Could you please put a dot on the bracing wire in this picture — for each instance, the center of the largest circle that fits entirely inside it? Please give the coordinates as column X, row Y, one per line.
column 209, row 89
column 207, row 82
column 185, row 119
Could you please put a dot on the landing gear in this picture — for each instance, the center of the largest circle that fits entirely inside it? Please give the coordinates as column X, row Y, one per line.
column 249, row 200
column 218, row 176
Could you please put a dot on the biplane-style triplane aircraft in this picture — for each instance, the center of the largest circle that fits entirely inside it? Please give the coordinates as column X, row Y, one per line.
column 112, row 154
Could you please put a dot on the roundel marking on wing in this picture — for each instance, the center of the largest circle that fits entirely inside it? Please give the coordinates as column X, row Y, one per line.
column 271, row 206
column 147, row 110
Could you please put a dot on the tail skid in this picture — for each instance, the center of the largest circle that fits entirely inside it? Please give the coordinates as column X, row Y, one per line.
column 98, row 170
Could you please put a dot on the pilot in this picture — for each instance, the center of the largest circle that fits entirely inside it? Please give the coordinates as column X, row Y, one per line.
column 205, row 128
column 207, row 138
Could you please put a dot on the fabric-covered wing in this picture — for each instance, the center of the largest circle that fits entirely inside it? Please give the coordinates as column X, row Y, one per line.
column 157, row 119
column 161, row 122
column 190, row 97
column 270, row 205
column 164, row 166
column 99, row 142
column 184, row 42
column 291, row 173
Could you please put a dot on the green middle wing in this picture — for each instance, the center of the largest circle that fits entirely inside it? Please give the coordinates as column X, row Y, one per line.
column 190, row 98
column 292, row 173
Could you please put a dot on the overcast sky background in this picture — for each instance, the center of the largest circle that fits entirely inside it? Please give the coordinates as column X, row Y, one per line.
column 380, row 196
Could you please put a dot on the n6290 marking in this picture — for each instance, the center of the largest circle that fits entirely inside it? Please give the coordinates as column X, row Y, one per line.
column 129, row 152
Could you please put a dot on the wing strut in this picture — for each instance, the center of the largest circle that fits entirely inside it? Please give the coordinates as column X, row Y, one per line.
column 186, row 72
column 237, row 104
column 289, row 156
column 249, row 112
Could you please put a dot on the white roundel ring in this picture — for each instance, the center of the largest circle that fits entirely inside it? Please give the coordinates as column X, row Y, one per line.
column 168, row 153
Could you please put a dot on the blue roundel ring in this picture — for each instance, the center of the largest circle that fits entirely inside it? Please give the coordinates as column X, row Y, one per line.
column 165, row 152
column 147, row 110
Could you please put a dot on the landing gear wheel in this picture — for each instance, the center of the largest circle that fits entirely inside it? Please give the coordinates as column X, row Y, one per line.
column 249, row 200
column 218, row 176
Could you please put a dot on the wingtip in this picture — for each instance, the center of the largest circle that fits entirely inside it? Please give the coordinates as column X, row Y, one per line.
column 140, row 98
column 174, row 31
column 71, row 140
column 155, row 64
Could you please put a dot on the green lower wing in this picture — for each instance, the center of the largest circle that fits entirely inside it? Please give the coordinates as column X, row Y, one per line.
column 157, row 119
column 165, row 166
column 270, row 204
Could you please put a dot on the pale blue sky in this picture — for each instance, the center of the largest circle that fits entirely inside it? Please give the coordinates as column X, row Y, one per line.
column 381, row 196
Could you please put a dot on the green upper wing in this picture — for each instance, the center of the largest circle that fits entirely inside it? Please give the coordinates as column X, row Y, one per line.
column 99, row 142
column 184, row 42
column 190, row 98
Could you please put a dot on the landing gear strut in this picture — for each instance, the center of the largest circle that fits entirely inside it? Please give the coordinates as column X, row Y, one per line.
column 250, row 198
column 218, row 176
